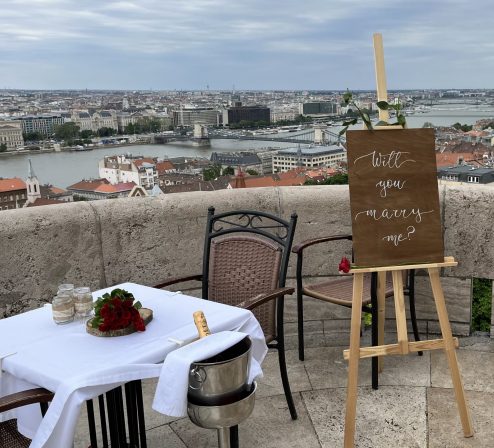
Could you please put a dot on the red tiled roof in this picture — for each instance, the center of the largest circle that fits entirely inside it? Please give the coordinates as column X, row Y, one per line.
column 12, row 185
column 139, row 162
column 88, row 185
column 166, row 165
column 125, row 186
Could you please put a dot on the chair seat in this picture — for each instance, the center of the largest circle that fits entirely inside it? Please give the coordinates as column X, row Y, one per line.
column 10, row 437
column 340, row 290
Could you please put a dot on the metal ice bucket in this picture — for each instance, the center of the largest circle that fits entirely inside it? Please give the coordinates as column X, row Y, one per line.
column 221, row 379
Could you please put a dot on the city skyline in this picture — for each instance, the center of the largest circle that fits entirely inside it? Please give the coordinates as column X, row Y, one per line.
column 201, row 44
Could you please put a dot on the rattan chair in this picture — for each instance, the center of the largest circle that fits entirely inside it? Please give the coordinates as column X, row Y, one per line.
column 339, row 290
column 9, row 436
column 244, row 264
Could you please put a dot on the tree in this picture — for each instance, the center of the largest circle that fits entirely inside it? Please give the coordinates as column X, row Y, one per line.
column 87, row 133
column 462, row 127
column 212, row 172
column 252, row 172
column 67, row 132
column 428, row 124
column 105, row 132
column 228, row 171
column 3, row 147
column 337, row 179
column 33, row 136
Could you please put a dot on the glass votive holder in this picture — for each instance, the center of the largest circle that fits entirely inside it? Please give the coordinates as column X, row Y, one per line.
column 83, row 302
column 62, row 307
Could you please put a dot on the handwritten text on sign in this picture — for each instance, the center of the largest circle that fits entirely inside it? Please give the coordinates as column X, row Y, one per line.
column 394, row 197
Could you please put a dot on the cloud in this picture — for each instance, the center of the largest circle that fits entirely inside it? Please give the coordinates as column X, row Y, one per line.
column 321, row 36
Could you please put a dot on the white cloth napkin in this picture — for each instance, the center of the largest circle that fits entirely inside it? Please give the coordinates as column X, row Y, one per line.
column 171, row 392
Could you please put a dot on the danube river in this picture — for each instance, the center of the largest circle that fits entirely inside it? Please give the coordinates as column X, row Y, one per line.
column 65, row 168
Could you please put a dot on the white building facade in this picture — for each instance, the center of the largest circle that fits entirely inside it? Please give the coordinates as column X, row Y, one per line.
column 288, row 159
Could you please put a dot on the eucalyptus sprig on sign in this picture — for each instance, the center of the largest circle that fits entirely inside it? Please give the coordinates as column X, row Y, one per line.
column 383, row 105
column 398, row 108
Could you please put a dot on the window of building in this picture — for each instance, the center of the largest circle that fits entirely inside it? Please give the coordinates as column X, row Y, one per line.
column 473, row 179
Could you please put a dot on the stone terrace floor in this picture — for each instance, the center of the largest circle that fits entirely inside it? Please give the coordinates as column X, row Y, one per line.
column 414, row 406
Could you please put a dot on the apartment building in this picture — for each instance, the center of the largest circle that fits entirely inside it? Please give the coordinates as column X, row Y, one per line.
column 13, row 193
column 117, row 169
column 11, row 134
column 287, row 159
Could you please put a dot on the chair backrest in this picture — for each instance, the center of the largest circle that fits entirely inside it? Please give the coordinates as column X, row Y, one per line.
column 245, row 254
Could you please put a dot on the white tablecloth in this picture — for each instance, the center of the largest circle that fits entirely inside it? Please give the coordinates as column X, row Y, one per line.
column 78, row 366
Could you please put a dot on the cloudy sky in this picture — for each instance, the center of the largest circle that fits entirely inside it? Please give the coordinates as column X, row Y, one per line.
column 252, row 44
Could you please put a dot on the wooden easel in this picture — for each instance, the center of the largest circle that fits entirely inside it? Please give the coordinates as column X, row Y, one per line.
column 403, row 346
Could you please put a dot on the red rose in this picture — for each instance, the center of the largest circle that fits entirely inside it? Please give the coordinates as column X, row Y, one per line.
column 344, row 266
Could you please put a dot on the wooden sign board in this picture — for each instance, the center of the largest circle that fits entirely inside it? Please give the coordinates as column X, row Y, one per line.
column 394, row 197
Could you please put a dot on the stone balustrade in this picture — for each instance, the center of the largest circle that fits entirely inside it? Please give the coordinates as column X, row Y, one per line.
column 145, row 240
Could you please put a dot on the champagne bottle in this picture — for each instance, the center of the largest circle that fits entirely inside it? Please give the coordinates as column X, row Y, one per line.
column 201, row 324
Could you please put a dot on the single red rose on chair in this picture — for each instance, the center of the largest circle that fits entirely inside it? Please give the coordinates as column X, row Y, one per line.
column 344, row 266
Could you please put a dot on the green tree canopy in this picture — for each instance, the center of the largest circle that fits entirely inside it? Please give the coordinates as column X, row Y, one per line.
column 212, row 172
column 252, row 172
column 337, row 179
column 228, row 171
column 3, row 147
column 67, row 131
column 33, row 136
column 106, row 132
column 462, row 127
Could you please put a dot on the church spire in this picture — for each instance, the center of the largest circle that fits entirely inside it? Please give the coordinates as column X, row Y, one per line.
column 32, row 185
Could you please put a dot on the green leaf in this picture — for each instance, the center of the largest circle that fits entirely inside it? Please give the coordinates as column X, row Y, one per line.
column 350, row 122
column 401, row 120
column 383, row 105
column 138, row 305
column 382, row 123
column 343, row 130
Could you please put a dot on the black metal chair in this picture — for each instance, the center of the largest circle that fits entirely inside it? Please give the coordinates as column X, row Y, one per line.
column 9, row 436
column 339, row 290
column 245, row 263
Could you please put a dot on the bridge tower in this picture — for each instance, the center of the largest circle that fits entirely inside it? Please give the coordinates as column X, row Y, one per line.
column 319, row 134
column 200, row 137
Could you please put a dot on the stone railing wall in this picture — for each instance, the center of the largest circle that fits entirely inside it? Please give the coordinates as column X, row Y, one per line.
column 145, row 240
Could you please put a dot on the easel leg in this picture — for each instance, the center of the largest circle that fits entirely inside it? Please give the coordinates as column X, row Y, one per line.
column 381, row 306
column 450, row 351
column 401, row 318
column 351, row 398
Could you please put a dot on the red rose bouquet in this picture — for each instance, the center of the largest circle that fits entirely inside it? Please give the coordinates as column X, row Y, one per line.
column 116, row 310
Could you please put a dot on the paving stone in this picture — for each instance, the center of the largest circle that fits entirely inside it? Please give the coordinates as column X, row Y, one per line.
column 163, row 436
column 153, row 418
column 389, row 417
column 327, row 369
column 476, row 367
column 313, row 334
column 444, row 422
column 269, row 426
column 271, row 384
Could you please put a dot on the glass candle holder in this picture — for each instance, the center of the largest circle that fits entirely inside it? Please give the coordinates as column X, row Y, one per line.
column 83, row 302
column 63, row 308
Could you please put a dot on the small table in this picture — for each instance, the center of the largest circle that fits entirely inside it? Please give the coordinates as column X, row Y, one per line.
column 78, row 366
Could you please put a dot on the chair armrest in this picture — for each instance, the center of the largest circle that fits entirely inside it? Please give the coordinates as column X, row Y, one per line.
column 24, row 398
column 298, row 248
column 174, row 280
column 260, row 299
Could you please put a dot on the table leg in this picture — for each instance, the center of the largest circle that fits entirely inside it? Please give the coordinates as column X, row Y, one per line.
column 91, row 423
column 102, row 416
column 140, row 413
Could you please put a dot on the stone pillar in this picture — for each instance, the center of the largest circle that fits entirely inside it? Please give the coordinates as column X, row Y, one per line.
column 319, row 135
